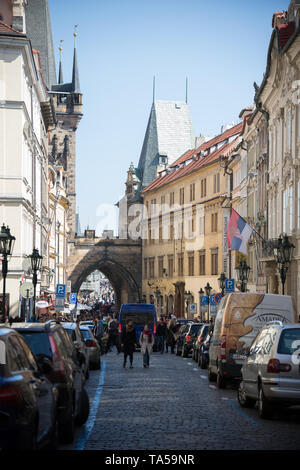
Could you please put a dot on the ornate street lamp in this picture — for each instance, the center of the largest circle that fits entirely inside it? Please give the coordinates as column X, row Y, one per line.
column 283, row 252
column 7, row 242
column 36, row 264
column 208, row 290
column 201, row 294
column 222, row 279
column 158, row 295
column 243, row 271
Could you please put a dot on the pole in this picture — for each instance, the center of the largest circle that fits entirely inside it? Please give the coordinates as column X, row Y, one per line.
column 4, row 273
column 27, row 305
column 34, row 281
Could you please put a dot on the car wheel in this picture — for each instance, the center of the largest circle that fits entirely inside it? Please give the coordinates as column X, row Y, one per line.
column 193, row 354
column 243, row 399
column 54, row 437
column 264, row 408
column 177, row 351
column 199, row 359
column 221, row 381
column 87, row 375
column 84, row 408
column 202, row 363
column 97, row 364
column 66, row 430
column 211, row 376
column 184, row 352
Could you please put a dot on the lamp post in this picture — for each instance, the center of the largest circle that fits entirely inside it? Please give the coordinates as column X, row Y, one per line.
column 243, row 271
column 201, row 293
column 7, row 242
column 208, row 290
column 158, row 295
column 222, row 279
column 36, row 264
column 283, row 252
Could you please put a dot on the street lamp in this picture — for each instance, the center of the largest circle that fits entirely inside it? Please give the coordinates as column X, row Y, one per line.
column 208, row 290
column 36, row 264
column 201, row 294
column 243, row 271
column 7, row 242
column 222, row 279
column 158, row 295
column 283, row 252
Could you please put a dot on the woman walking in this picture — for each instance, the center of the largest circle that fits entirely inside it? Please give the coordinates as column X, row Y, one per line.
column 146, row 342
column 170, row 332
column 128, row 342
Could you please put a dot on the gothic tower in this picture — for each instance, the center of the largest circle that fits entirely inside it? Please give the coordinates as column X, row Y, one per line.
column 66, row 97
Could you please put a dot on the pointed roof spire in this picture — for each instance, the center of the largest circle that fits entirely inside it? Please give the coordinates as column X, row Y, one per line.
column 75, row 74
column 60, row 73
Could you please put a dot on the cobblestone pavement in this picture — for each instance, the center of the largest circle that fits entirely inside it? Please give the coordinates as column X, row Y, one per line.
column 172, row 406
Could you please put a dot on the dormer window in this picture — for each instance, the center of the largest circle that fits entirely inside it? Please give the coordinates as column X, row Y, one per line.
column 162, row 160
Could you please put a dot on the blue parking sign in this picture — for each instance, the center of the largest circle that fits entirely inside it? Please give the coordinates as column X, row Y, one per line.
column 229, row 285
column 60, row 291
column 203, row 300
column 73, row 298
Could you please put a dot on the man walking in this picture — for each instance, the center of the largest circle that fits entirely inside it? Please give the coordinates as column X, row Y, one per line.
column 128, row 342
column 113, row 335
column 160, row 335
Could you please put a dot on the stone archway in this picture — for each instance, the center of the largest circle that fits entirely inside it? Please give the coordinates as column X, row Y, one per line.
column 119, row 260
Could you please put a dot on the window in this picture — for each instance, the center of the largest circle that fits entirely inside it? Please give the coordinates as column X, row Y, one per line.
column 192, row 192
column 291, row 213
column 217, row 183
column 191, row 264
column 202, row 225
column 203, row 187
column 214, row 261
column 145, row 268
column 181, row 197
column 284, row 211
column 289, row 341
column 289, row 130
column 180, row 264
column 172, row 199
column 151, row 268
column 202, row 263
column 170, row 266
column 214, row 222
column 153, row 206
column 160, row 266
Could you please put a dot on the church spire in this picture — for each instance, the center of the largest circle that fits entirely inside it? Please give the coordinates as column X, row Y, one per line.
column 60, row 73
column 75, row 74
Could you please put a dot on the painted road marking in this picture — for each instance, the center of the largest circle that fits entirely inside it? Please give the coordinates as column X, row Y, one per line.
column 196, row 370
column 213, row 387
column 203, row 376
column 88, row 427
column 242, row 413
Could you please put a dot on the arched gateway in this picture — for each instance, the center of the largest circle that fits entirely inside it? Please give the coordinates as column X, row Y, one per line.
column 119, row 260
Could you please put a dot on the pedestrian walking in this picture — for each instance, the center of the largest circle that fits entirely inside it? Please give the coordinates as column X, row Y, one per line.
column 128, row 342
column 113, row 335
column 170, row 338
column 99, row 331
column 146, row 343
column 160, row 335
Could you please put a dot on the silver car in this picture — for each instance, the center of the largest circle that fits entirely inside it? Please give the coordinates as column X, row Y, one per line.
column 271, row 372
column 92, row 346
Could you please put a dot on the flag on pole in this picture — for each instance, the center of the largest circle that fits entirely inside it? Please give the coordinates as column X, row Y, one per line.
column 238, row 233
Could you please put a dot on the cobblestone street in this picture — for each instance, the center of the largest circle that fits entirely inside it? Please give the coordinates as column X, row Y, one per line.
column 172, row 406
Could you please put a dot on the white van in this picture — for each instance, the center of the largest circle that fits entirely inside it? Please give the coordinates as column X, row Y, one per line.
column 239, row 318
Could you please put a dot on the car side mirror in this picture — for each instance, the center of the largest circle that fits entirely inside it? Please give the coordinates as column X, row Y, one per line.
column 80, row 358
column 46, row 366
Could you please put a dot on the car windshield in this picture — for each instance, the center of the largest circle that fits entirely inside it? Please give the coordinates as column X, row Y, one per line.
column 86, row 334
column 195, row 328
column 38, row 342
column 138, row 318
column 71, row 334
column 289, row 341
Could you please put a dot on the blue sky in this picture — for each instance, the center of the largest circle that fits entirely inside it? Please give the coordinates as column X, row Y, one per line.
column 221, row 46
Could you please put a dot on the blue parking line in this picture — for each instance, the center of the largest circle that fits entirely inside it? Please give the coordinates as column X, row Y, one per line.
column 88, row 427
column 242, row 413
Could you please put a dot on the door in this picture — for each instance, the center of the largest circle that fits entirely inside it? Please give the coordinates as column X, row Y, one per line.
column 251, row 365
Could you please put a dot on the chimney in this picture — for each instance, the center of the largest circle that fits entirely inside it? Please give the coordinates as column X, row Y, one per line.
column 280, row 17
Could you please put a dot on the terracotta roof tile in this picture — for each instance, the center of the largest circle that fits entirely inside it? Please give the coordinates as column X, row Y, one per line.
column 194, row 165
column 285, row 32
column 6, row 29
column 235, row 130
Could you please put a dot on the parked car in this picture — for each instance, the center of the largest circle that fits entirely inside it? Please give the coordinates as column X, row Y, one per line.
column 92, row 345
column 239, row 318
column 185, row 339
column 271, row 372
column 203, row 354
column 88, row 323
column 75, row 335
column 198, row 340
column 53, row 348
column 28, row 400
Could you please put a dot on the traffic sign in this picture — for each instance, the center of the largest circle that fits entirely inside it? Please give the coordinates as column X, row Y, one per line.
column 203, row 300
column 59, row 303
column 218, row 298
column 193, row 308
column 73, row 298
column 26, row 290
column 60, row 291
column 212, row 299
column 229, row 285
